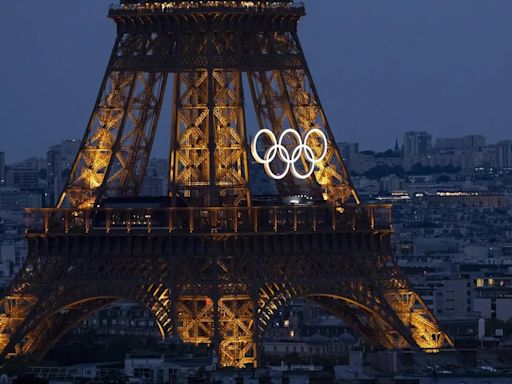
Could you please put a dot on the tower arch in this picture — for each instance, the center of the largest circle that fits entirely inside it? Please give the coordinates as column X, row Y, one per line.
column 206, row 251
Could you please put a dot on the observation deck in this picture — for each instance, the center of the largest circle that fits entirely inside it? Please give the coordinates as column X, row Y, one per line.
column 207, row 7
column 191, row 5
column 216, row 220
column 177, row 16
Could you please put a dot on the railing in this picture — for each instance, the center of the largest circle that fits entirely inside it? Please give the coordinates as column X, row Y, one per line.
column 209, row 220
column 170, row 6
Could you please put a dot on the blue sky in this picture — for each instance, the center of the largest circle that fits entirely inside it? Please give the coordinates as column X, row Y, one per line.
column 382, row 67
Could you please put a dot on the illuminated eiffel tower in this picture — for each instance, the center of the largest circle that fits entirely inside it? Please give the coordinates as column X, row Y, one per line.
column 212, row 265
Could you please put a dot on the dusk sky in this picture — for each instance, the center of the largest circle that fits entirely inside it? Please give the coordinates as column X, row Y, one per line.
column 382, row 67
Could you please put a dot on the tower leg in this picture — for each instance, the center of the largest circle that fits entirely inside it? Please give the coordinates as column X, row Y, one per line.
column 274, row 113
column 202, row 100
column 238, row 346
column 288, row 96
column 117, row 143
column 54, row 291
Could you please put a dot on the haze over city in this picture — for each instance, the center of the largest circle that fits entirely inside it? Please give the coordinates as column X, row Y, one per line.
column 265, row 248
column 382, row 68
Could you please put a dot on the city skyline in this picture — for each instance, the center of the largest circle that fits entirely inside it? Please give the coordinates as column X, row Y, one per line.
column 8, row 160
column 376, row 248
column 379, row 81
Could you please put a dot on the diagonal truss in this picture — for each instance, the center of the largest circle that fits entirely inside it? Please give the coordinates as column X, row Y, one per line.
column 287, row 98
column 208, row 154
column 208, row 159
column 208, row 144
column 118, row 139
column 223, row 294
column 219, row 287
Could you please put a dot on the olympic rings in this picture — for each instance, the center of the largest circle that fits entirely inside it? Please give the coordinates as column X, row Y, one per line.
column 277, row 149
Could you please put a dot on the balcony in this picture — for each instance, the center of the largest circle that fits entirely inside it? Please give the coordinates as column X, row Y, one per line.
column 213, row 220
column 172, row 6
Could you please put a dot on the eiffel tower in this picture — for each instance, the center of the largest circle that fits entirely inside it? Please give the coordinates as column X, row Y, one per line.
column 211, row 262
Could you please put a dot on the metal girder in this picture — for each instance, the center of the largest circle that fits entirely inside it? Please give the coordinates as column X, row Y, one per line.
column 218, row 291
column 92, row 162
column 117, row 144
column 49, row 331
column 271, row 111
column 287, row 98
column 237, row 324
column 208, row 160
column 195, row 319
column 160, row 54
column 189, row 137
column 218, row 278
column 371, row 326
column 206, row 170
column 120, row 133
column 34, row 328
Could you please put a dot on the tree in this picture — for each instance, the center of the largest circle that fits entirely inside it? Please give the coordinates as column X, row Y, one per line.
column 383, row 170
column 420, row 169
column 387, row 153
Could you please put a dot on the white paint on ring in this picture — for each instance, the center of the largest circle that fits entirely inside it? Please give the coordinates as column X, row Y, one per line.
column 277, row 148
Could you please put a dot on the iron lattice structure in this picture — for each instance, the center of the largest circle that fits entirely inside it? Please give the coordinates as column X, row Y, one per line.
column 216, row 271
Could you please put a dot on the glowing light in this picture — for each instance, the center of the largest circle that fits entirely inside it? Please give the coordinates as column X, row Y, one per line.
column 277, row 149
